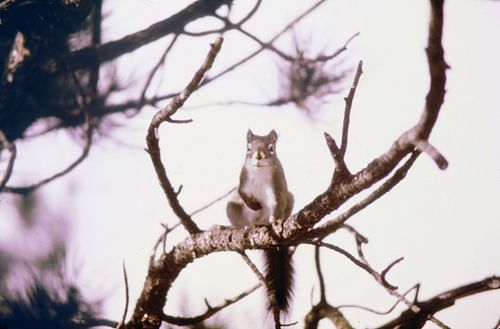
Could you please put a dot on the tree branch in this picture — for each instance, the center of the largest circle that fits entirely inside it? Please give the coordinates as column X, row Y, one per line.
column 152, row 138
column 348, row 105
column 24, row 190
column 11, row 147
column 410, row 319
column 109, row 109
column 182, row 321
column 99, row 54
column 124, row 316
column 271, row 295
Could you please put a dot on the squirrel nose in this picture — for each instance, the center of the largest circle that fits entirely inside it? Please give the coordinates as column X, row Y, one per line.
column 259, row 155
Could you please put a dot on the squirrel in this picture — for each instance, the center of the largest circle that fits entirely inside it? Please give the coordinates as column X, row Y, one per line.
column 261, row 198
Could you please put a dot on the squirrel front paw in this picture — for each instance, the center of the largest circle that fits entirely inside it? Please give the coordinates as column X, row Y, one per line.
column 253, row 204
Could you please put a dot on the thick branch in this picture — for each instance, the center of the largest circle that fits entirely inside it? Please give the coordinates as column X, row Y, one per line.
column 410, row 319
column 99, row 54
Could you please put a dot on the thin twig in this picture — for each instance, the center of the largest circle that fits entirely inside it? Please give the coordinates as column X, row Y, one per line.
column 182, row 321
column 348, row 105
column 152, row 138
column 162, row 239
column 11, row 147
column 267, row 45
column 269, row 289
column 341, row 171
column 258, row 51
column 157, row 66
column 321, row 279
column 125, row 311
column 204, row 207
column 360, row 263
column 426, row 309
column 155, row 99
column 325, row 58
column 371, row 310
column 208, row 205
column 24, row 190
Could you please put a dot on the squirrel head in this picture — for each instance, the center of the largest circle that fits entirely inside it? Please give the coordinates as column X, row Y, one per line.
column 261, row 150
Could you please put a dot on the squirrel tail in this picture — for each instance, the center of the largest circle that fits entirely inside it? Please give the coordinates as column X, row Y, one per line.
column 279, row 274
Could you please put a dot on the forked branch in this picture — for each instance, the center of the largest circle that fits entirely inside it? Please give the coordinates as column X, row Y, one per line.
column 152, row 138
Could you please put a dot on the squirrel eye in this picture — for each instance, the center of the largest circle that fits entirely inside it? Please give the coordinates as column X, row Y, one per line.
column 270, row 147
column 249, row 146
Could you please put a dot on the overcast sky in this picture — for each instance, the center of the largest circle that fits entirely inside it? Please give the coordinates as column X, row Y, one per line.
column 445, row 223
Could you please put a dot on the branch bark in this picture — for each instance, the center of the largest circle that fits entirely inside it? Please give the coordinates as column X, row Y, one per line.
column 410, row 319
column 152, row 138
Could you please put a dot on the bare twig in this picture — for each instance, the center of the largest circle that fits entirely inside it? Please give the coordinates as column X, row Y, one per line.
column 182, row 321
column 360, row 263
column 341, row 171
column 102, row 53
column 348, row 105
column 321, row 279
column 325, row 58
column 416, row 316
column 155, row 99
column 381, row 279
column 208, row 205
column 267, row 45
column 258, row 51
column 162, row 239
column 415, row 287
column 269, row 289
column 125, row 311
column 228, row 25
column 152, row 138
column 334, row 224
column 250, row 13
column 11, row 147
column 156, row 67
column 24, row 190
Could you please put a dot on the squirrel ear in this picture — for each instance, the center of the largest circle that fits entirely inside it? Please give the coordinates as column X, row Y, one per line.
column 249, row 135
column 273, row 135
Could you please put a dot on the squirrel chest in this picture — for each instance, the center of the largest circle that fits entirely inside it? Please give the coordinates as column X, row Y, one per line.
column 259, row 184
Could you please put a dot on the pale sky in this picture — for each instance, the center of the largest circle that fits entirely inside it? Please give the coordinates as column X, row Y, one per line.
column 445, row 223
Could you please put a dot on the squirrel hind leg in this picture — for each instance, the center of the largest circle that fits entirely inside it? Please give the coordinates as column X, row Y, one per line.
column 234, row 211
